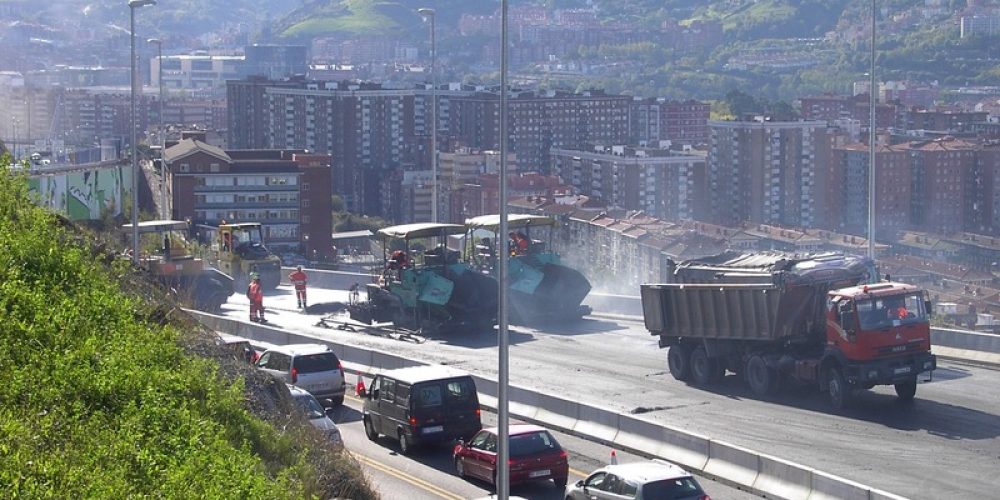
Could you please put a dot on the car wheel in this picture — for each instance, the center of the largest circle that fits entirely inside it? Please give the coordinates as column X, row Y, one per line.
column 405, row 447
column 906, row 390
column 839, row 390
column 677, row 362
column 337, row 401
column 370, row 430
column 459, row 467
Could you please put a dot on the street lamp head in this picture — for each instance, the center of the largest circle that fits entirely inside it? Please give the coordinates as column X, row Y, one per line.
column 156, row 41
column 140, row 3
column 426, row 12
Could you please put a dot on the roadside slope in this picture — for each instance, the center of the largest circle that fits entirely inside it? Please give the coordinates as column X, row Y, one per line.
column 103, row 394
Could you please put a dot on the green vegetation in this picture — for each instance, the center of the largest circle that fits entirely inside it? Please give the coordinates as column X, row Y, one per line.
column 104, row 397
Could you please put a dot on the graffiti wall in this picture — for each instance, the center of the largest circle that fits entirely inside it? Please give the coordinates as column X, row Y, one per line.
column 83, row 194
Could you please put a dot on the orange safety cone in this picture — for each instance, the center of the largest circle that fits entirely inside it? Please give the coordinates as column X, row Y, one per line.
column 614, row 458
column 360, row 388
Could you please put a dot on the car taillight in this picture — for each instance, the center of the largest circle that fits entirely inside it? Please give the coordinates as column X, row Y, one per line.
column 563, row 455
column 704, row 497
column 413, row 421
column 295, row 375
column 340, row 366
column 478, row 412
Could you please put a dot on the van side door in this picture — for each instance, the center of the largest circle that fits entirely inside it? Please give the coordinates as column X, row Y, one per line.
column 372, row 404
column 388, row 409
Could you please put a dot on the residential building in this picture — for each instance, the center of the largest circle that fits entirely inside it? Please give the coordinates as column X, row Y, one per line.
column 287, row 191
column 942, row 119
column 658, row 182
column 764, row 172
column 680, row 122
column 979, row 26
column 540, row 121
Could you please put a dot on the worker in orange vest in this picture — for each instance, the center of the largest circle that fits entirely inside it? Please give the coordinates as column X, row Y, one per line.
column 255, row 292
column 298, row 278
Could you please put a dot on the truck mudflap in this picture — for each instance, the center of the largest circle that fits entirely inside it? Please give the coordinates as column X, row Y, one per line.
column 890, row 370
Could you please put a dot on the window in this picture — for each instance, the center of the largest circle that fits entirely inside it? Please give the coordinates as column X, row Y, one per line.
column 305, row 186
column 388, row 389
column 185, row 168
column 403, row 395
column 322, row 362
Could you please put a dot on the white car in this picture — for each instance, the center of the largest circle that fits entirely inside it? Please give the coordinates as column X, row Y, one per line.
column 316, row 415
column 648, row 480
column 313, row 367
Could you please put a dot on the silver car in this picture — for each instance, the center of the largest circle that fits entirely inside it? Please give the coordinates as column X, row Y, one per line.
column 313, row 367
column 648, row 480
column 316, row 415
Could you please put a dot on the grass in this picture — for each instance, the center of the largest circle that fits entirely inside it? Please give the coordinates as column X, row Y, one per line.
column 102, row 396
column 363, row 17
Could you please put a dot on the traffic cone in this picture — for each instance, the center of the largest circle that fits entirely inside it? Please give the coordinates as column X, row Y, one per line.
column 360, row 388
column 614, row 458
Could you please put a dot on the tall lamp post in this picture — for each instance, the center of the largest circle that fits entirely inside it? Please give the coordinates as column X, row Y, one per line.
column 164, row 213
column 503, row 342
column 871, row 147
column 132, row 5
column 428, row 14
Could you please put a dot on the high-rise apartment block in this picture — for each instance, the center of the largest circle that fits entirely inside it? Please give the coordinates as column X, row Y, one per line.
column 764, row 172
column 540, row 121
column 680, row 122
column 662, row 183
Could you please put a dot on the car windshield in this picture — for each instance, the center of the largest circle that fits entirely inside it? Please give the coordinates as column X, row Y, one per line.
column 532, row 443
column 883, row 312
column 312, row 407
column 672, row 489
column 322, row 362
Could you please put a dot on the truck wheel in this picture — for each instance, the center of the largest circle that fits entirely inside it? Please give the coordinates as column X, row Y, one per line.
column 677, row 362
column 761, row 378
column 839, row 390
column 704, row 370
column 906, row 390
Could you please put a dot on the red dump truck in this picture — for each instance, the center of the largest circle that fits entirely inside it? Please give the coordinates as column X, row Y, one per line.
column 771, row 317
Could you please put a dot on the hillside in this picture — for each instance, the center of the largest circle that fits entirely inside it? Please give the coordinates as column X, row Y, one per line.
column 110, row 391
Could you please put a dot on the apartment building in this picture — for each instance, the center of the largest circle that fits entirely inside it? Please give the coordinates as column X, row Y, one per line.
column 764, row 172
column 287, row 191
column 195, row 71
column 661, row 183
column 680, row 122
column 540, row 121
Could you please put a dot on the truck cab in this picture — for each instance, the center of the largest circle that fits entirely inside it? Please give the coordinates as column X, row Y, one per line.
column 880, row 333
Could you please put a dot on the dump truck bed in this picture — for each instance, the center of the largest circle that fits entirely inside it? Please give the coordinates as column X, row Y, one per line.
column 726, row 311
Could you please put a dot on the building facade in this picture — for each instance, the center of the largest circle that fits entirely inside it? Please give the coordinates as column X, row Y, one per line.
column 661, row 183
column 288, row 192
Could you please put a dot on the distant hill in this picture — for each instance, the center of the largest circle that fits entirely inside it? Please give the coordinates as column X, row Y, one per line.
column 374, row 17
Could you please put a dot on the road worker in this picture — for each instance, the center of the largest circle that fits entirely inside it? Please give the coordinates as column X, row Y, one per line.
column 298, row 279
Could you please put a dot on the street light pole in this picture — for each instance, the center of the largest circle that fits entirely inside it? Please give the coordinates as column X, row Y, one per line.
column 428, row 14
column 503, row 374
column 871, row 147
column 132, row 5
column 164, row 213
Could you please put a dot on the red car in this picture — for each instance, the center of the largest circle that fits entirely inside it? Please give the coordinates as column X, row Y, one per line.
column 534, row 454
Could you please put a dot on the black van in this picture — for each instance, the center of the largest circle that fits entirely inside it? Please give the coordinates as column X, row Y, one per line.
column 422, row 404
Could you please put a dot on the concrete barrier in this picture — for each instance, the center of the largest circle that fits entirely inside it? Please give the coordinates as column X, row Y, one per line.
column 597, row 423
column 732, row 463
column 557, row 412
column 688, row 450
column 332, row 280
column 523, row 403
column 783, row 478
column 963, row 339
column 883, row 495
column 829, row 487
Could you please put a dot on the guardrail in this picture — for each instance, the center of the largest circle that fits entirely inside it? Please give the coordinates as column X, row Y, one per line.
column 760, row 473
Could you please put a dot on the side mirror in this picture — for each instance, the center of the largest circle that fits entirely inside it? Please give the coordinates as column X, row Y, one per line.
column 928, row 308
column 461, row 442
